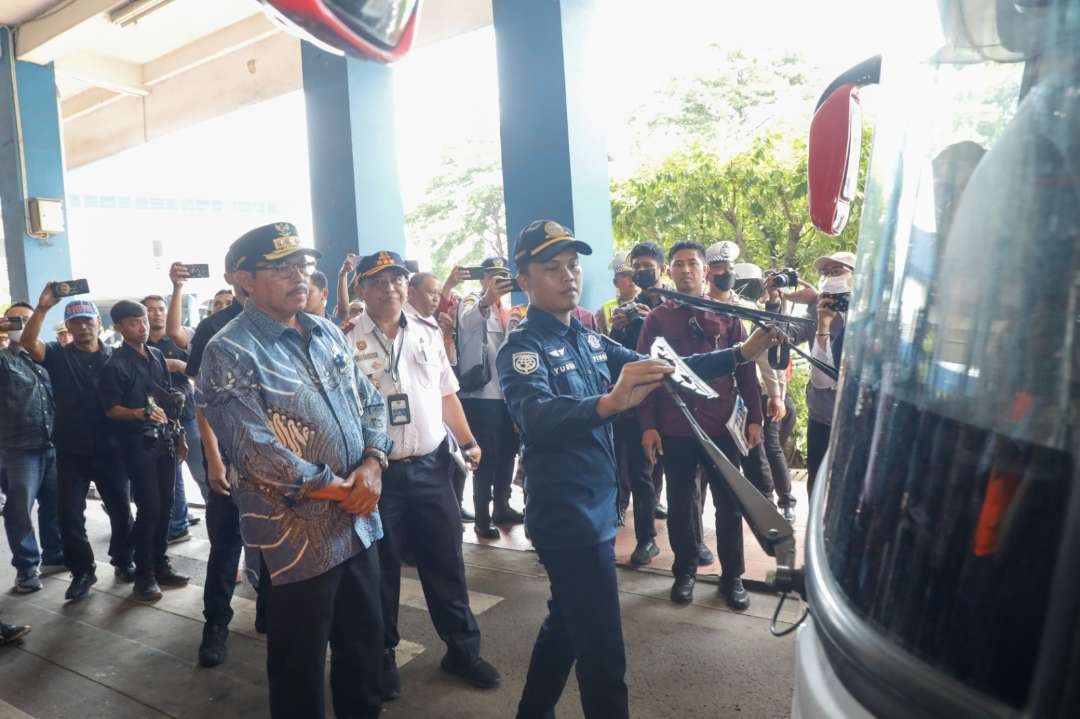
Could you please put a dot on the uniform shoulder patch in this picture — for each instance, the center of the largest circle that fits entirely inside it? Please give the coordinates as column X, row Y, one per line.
column 594, row 341
column 526, row 362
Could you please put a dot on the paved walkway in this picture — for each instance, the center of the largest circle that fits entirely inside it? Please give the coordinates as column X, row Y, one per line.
column 111, row 657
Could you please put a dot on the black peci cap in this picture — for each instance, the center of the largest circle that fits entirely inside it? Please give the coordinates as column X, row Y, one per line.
column 268, row 243
column 543, row 239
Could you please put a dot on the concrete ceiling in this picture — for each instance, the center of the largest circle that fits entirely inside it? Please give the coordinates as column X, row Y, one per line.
column 13, row 12
column 215, row 52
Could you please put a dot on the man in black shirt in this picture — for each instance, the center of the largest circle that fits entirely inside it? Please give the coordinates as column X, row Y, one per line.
column 85, row 451
column 638, row 477
column 222, row 517
column 144, row 412
column 176, row 361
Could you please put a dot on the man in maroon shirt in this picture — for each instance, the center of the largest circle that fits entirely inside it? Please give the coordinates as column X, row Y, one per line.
column 690, row 331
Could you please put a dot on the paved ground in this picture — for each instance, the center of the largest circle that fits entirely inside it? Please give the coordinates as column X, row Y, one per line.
column 110, row 656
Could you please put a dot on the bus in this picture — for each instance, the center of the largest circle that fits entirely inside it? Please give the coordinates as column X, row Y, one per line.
column 941, row 566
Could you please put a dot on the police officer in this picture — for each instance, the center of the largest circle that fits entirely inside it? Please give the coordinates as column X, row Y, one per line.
column 403, row 356
column 482, row 320
column 144, row 409
column 564, row 385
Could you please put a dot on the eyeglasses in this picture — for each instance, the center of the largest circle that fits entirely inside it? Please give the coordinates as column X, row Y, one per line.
column 835, row 271
column 382, row 282
column 284, row 270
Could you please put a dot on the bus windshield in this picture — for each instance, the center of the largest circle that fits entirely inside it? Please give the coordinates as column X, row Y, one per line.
column 953, row 443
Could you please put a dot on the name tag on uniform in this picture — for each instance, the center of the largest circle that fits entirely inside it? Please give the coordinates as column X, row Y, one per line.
column 398, row 409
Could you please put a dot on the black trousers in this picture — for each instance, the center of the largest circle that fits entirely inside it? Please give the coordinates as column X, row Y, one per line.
column 766, row 465
column 494, row 431
column 683, row 460
column 341, row 607
column 418, row 508
column 817, row 444
column 636, row 475
column 75, row 472
column 153, row 474
column 583, row 627
column 226, row 545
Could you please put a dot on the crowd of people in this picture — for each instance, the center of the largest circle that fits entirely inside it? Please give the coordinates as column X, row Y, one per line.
column 330, row 447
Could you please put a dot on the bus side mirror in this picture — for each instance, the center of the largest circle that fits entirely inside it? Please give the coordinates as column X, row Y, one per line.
column 379, row 30
column 834, row 153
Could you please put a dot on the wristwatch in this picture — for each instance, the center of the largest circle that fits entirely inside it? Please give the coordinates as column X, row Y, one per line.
column 740, row 358
column 379, row 455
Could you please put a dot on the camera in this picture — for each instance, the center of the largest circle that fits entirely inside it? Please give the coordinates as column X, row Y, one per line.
column 785, row 277
column 11, row 324
column 172, row 402
column 840, row 300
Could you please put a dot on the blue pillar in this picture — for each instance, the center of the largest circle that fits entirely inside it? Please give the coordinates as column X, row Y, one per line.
column 355, row 196
column 554, row 156
column 31, row 165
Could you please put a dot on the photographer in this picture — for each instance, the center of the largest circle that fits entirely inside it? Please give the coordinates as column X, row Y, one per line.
column 144, row 412
column 482, row 326
column 829, row 308
column 85, row 451
column 625, row 292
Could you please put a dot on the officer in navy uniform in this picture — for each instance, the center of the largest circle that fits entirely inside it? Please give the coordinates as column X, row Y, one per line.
column 564, row 385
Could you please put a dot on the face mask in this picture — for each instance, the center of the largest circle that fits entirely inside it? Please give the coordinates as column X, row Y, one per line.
column 724, row 282
column 645, row 279
column 836, row 285
column 15, row 336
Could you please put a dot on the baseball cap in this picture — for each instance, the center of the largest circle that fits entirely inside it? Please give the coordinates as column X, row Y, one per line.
column 80, row 308
column 371, row 265
column 847, row 259
column 269, row 243
column 496, row 264
column 543, row 239
column 723, row 251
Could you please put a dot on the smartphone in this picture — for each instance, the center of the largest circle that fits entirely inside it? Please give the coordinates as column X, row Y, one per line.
column 412, row 266
column 514, row 286
column 475, row 273
column 198, row 271
column 11, row 324
column 69, row 288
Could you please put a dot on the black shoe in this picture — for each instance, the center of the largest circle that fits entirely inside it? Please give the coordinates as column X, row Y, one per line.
column 212, row 649
column 12, row 633
column 482, row 525
column 466, row 515
column 192, row 520
column 705, row 556
column 146, row 589
column 505, row 514
column 389, row 679
column 735, row 593
column 474, row 670
column 644, row 553
column 789, row 514
column 125, row 574
column 166, row 576
column 182, row 536
column 80, row 586
column 660, row 512
column 682, row 591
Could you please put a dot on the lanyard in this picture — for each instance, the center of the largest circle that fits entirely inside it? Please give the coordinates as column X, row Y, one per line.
column 394, row 358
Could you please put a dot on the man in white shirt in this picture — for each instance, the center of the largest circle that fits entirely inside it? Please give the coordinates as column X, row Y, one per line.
column 404, row 358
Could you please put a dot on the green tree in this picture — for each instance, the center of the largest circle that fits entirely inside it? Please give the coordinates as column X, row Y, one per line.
column 463, row 218
column 757, row 199
column 732, row 97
